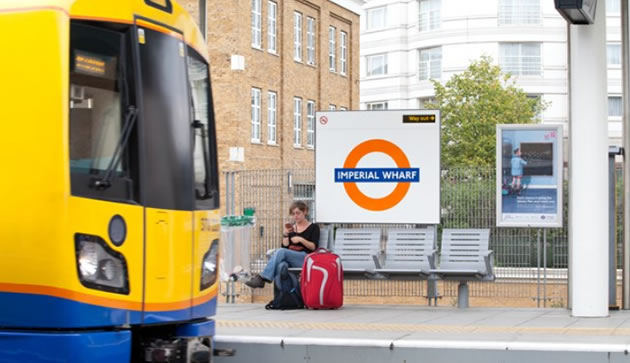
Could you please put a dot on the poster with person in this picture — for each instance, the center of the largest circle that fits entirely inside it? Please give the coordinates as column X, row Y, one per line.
column 529, row 175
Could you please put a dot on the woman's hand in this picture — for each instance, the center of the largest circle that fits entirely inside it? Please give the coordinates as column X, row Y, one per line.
column 288, row 228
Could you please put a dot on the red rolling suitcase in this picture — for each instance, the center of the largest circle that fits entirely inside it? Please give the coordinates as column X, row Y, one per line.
column 322, row 280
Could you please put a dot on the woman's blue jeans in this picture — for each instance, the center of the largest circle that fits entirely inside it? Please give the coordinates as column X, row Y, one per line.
column 293, row 258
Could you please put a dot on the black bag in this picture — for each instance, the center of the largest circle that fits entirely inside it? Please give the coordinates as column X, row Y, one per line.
column 286, row 291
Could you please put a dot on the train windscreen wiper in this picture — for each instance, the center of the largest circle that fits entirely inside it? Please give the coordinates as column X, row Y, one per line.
column 130, row 120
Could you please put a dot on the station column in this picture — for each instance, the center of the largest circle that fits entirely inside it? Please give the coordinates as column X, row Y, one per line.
column 588, row 174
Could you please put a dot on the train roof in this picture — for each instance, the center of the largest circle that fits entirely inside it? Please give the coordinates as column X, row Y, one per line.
column 165, row 12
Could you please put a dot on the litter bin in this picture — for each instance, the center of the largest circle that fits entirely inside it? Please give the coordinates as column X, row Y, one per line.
column 236, row 233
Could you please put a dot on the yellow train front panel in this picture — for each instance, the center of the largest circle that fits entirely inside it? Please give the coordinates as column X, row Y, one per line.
column 103, row 221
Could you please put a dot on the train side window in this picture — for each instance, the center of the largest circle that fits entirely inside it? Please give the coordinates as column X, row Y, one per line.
column 204, row 143
column 102, row 115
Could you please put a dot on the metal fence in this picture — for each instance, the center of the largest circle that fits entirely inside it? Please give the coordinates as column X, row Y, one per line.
column 526, row 268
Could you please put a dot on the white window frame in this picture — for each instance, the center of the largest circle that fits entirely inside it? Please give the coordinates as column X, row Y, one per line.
column 256, row 104
column 613, row 7
column 297, row 36
column 310, row 40
column 257, row 24
column 520, row 12
column 310, row 124
column 332, row 107
column 341, row 108
column 332, row 52
column 297, row 122
column 431, row 67
column 343, row 52
column 272, row 27
column 610, row 56
column 429, row 15
column 619, row 107
column 382, row 105
column 518, row 64
column 272, row 117
column 379, row 13
column 370, row 68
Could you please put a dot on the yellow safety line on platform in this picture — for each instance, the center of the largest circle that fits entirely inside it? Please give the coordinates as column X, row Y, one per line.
column 420, row 328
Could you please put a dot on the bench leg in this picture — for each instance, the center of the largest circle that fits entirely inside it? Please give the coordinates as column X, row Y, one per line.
column 462, row 295
column 432, row 292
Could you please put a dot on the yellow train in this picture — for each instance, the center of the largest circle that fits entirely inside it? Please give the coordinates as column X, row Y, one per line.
column 109, row 210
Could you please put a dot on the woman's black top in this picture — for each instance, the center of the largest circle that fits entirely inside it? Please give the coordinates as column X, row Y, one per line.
column 311, row 234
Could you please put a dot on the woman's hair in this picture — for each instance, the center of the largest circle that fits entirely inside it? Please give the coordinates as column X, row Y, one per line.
column 299, row 205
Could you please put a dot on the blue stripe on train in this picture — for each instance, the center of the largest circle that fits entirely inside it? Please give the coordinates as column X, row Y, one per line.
column 48, row 347
column 42, row 311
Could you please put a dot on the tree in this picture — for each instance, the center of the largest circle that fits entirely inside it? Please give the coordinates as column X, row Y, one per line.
column 471, row 104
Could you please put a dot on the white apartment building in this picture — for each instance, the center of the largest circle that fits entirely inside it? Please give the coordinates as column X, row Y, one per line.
column 405, row 43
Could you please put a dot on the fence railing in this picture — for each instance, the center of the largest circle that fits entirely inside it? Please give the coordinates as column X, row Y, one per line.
column 467, row 201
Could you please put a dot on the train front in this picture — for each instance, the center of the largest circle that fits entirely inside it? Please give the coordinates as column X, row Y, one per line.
column 110, row 221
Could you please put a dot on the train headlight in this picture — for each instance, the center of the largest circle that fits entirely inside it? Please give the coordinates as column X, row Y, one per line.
column 209, row 266
column 99, row 266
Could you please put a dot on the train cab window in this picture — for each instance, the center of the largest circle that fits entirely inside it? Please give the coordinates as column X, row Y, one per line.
column 102, row 115
column 204, row 142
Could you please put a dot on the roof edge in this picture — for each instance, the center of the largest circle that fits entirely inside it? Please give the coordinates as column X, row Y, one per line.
column 353, row 5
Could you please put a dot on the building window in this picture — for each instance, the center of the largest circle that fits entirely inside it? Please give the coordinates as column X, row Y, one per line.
column 297, row 36
column 376, row 64
column 520, row 59
column 429, row 17
column 310, row 40
column 256, row 24
column 519, row 12
column 344, row 52
column 332, row 64
column 613, row 54
column 538, row 115
column 310, row 124
column 332, row 107
column 613, row 7
column 377, row 106
column 376, row 18
column 615, row 109
column 430, row 63
column 423, row 102
column 343, row 109
column 297, row 122
column 272, row 101
column 255, row 115
column 272, row 16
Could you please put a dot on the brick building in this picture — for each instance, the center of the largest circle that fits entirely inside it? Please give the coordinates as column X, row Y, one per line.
column 274, row 63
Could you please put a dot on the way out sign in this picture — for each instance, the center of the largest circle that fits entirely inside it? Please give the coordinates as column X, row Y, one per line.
column 377, row 167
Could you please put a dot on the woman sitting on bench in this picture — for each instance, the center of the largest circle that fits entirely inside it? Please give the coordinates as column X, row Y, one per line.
column 299, row 239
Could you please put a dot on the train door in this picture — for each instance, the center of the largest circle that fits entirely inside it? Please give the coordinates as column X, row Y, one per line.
column 106, row 218
column 167, row 173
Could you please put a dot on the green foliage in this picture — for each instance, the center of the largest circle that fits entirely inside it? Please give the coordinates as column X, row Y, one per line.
column 471, row 104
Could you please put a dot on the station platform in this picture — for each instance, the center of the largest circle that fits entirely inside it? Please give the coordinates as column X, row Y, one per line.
column 388, row 333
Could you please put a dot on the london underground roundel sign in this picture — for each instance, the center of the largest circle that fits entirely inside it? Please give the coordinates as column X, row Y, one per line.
column 378, row 167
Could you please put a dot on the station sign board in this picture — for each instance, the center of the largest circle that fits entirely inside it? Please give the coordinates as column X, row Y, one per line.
column 377, row 166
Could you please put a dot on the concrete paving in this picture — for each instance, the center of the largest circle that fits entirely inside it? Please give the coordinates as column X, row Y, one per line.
column 395, row 333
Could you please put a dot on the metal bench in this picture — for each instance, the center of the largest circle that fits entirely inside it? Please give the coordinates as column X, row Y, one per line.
column 464, row 256
column 359, row 250
column 409, row 253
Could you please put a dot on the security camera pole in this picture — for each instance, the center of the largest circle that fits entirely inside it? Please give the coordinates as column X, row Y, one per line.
column 625, row 48
column 588, row 152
